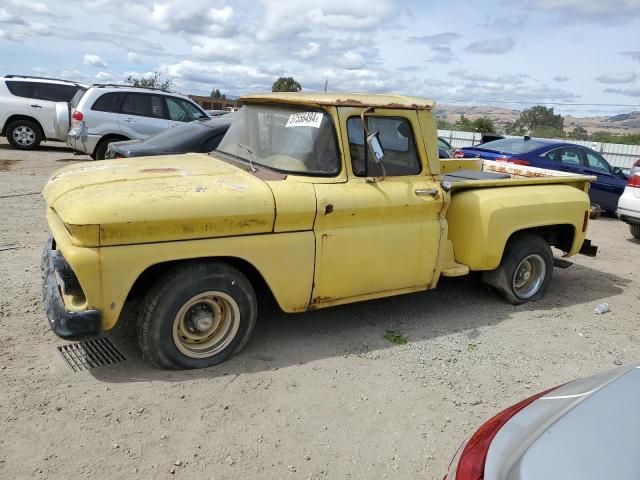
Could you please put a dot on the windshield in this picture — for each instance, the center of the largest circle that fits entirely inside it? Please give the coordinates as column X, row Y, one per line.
column 283, row 138
column 512, row 145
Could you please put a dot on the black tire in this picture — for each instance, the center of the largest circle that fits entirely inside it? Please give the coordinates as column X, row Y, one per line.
column 24, row 134
column 526, row 269
column 164, row 325
column 635, row 230
column 101, row 149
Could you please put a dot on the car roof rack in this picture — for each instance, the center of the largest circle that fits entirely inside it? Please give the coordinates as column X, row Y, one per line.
column 120, row 85
column 43, row 78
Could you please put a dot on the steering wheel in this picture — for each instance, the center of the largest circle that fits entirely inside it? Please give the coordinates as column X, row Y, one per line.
column 326, row 160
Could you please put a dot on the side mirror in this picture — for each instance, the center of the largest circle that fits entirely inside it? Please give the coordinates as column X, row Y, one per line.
column 375, row 146
column 617, row 171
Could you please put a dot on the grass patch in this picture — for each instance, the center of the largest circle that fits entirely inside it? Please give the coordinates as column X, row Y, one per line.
column 395, row 338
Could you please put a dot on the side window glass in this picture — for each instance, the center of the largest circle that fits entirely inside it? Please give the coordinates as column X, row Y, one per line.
column 570, row 156
column 595, row 161
column 21, row 89
column 193, row 110
column 143, row 105
column 108, row 102
column 177, row 113
column 53, row 92
column 396, row 137
column 553, row 155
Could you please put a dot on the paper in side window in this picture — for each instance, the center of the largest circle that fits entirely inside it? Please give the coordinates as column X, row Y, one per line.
column 305, row 119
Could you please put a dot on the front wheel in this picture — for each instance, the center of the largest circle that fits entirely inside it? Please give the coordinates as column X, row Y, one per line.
column 197, row 315
column 525, row 271
column 24, row 135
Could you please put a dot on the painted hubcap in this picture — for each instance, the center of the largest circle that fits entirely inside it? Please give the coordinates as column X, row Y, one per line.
column 24, row 135
column 206, row 324
column 529, row 276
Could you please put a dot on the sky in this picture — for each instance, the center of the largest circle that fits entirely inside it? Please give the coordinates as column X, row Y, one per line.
column 456, row 52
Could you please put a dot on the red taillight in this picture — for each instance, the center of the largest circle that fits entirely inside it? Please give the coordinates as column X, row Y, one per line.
column 502, row 159
column 518, row 161
column 634, row 181
column 458, row 154
column 474, row 455
column 77, row 116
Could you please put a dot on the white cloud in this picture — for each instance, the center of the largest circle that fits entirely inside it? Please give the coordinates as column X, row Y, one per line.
column 103, row 76
column 222, row 49
column 494, row 46
column 310, row 50
column 31, row 7
column 93, row 60
column 133, row 57
column 624, row 77
column 352, row 60
column 630, row 92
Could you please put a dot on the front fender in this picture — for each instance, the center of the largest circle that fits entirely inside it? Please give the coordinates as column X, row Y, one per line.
column 482, row 220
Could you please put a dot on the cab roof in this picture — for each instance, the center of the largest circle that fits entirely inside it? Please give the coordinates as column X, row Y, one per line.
column 341, row 100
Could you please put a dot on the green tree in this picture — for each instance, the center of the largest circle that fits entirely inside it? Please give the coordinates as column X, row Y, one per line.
column 579, row 133
column 215, row 93
column 540, row 116
column 286, row 84
column 464, row 124
column 484, row 125
column 514, row 128
column 154, row 80
column 626, row 139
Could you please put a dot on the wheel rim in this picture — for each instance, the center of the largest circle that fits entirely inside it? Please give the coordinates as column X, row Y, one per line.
column 206, row 324
column 24, row 135
column 529, row 276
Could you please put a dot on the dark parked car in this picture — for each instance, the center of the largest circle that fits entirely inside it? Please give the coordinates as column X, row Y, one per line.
column 553, row 155
column 445, row 150
column 201, row 136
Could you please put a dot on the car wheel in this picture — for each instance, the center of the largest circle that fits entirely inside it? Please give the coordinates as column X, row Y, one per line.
column 525, row 271
column 197, row 315
column 101, row 149
column 635, row 230
column 24, row 134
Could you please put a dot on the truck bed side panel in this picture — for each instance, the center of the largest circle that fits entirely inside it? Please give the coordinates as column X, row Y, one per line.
column 482, row 220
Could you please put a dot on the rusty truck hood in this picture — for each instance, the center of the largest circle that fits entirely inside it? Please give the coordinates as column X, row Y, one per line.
column 154, row 199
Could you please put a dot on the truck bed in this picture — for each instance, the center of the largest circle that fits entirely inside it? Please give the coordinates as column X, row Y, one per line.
column 465, row 174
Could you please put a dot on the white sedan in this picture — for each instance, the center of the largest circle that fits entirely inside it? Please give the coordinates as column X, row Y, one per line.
column 629, row 205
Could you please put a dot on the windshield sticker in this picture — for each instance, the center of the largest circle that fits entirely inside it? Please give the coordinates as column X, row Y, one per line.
column 306, row 119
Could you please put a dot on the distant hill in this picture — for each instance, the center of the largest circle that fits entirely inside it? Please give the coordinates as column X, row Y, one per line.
column 617, row 124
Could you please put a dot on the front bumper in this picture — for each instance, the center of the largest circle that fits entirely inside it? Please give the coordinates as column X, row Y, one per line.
column 68, row 324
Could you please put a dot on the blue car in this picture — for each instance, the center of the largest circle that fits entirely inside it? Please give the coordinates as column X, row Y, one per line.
column 566, row 157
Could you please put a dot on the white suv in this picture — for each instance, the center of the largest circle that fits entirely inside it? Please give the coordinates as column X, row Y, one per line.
column 113, row 113
column 33, row 109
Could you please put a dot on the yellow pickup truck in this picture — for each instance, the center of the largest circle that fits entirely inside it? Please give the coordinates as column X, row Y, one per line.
column 320, row 199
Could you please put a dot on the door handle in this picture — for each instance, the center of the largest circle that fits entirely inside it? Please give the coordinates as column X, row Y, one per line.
column 35, row 105
column 421, row 192
column 129, row 120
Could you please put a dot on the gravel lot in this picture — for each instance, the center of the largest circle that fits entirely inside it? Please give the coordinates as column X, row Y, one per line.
column 314, row 396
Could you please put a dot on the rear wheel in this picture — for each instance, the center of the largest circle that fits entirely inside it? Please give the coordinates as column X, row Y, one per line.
column 635, row 230
column 101, row 149
column 525, row 271
column 197, row 315
column 24, row 134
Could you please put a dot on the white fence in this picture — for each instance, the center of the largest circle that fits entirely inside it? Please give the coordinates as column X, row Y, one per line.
column 618, row 155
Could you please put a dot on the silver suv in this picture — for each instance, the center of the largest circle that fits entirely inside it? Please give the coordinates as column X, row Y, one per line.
column 33, row 109
column 113, row 113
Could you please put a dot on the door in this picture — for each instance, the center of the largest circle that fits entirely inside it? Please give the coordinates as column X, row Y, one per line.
column 609, row 186
column 378, row 236
column 142, row 115
column 42, row 104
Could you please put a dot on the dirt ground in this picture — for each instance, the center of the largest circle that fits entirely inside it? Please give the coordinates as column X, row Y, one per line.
column 314, row 396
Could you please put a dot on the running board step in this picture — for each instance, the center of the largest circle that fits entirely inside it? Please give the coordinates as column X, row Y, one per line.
column 561, row 263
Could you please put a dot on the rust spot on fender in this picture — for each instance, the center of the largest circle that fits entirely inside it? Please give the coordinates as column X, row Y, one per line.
column 321, row 299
